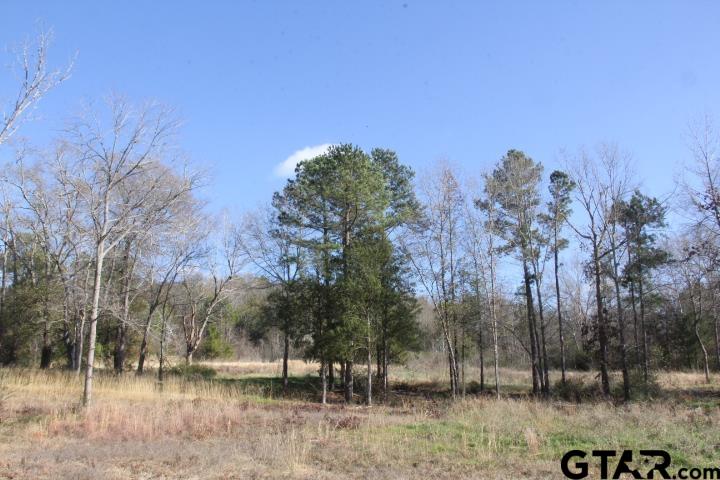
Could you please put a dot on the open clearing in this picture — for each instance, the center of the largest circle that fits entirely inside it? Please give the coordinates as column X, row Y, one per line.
column 237, row 426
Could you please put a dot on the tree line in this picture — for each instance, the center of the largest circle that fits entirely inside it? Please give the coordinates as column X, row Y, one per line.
column 107, row 251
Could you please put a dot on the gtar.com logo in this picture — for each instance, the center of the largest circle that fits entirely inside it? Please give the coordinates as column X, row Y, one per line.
column 575, row 465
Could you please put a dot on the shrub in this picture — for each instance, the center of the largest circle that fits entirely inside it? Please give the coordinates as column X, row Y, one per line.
column 214, row 345
column 640, row 389
column 576, row 390
column 582, row 359
column 473, row 387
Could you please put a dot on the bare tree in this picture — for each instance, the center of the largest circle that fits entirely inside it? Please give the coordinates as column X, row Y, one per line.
column 35, row 78
column 7, row 235
column 690, row 275
column 202, row 301
column 702, row 192
column 268, row 245
column 601, row 184
column 618, row 176
column 174, row 250
column 435, row 256
column 483, row 235
column 580, row 298
column 473, row 241
column 119, row 173
column 50, row 222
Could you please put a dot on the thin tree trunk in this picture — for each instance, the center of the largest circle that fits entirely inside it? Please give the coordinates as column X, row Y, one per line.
column 68, row 340
column 458, row 359
column 621, row 327
column 369, row 364
column 462, row 362
column 348, row 378
column 386, row 354
column 379, row 360
column 46, row 352
column 717, row 341
column 482, row 363
column 559, row 308
column 120, row 349
column 3, row 286
column 323, row 381
column 493, row 320
column 538, row 349
column 602, row 333
column 706, row 363
column 161, row 367
column 697, row 315
column 128, row 269
column 633, row 303
column 286, row 354
column 646, row 362
column 481, row 350
column 146, row 332
column 543, row 344
column 342, row 375
column 349, row 381
column 452, row 363
column 3, row 280
column 534, row 360
column 79, row 340
column 496, row 352
column 68, row 337
column 143, row 348
column 80, row 325
column 717, row 330
column 99, row 258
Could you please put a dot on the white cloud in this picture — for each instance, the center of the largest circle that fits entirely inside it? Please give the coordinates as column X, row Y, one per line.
column 287, row 167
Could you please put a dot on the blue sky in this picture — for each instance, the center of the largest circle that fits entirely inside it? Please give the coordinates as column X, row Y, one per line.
column 464, row 81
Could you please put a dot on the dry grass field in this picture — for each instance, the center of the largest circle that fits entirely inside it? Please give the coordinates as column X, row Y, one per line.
column 239, row 426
